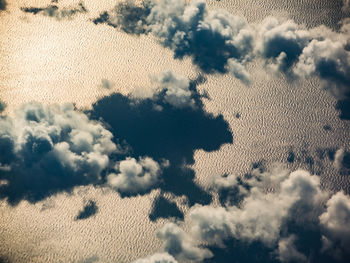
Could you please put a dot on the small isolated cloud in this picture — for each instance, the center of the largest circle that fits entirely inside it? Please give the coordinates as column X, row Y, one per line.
column 89, row 210
column 55, row 11
column 157, row 258
column 134, row 177
column 336, row 222
column 3, row 5
column 181, row 245
column 174, row 90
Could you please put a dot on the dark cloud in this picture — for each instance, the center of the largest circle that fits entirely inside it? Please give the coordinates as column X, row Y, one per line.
column 89, row 210
column 55, row 11
column 127, row 16
column 158, row 128
column 3, row 5
column 165, row 208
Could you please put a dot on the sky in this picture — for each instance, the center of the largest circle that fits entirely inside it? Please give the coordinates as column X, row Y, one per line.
column 174, row 131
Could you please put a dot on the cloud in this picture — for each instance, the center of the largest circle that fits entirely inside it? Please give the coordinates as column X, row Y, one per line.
column 174, row 89
column 210, row 38
column 157, row 258
column 89, row 210
column 163, row 127
column 346, row 5
column 221, row 42
column 53, row 10
column 180, row 245
column 281, row 43
column 3, row 5
column 336, row 221
column 50, row 149
column 260, row 215
column 134, row 176
column 287, row 251
column 127, row 16
column 342, row 161
column 330, row 61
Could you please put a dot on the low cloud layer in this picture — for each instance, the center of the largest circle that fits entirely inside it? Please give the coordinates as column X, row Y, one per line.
column 53, row 10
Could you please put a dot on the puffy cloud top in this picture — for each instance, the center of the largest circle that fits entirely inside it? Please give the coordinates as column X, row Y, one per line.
column 336, row 220
column 174, row 89
column 134, row 176
column 52, row 147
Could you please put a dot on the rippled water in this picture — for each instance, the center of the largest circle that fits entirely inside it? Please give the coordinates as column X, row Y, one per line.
column 53, row 62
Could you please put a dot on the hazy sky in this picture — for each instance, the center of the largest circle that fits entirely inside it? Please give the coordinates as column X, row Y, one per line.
column 174, row 131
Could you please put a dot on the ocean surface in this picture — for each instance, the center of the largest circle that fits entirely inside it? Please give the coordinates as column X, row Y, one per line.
column 51, row 61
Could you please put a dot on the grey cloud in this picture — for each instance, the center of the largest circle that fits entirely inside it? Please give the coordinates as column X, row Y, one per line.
column 281, row 43
column 287, row 252
column 53, row 10
column 134, row 176
column 336, row 221
column 331, row 62
column 127, row 16
column 346, row 5
column 181, row 245
column 157, row 258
